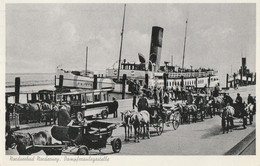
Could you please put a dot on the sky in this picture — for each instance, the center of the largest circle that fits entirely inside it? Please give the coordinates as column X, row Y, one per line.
column 40, row 37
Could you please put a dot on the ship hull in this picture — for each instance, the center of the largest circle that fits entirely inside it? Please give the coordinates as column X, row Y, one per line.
column 67, row 79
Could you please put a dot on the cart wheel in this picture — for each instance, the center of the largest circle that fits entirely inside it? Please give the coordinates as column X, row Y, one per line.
column 176, row 122
column 116, row 145
column 104, row 114
column 160, row 127
column 83, row 150
column 79, row 116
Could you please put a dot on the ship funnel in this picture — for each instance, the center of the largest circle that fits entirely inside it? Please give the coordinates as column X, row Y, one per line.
column 156, row 47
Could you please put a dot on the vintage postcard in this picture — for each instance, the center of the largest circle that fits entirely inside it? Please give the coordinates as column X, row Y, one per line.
column 129, row 82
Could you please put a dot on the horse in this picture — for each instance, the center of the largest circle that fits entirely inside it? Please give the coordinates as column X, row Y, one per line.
column 125, row 118
column 184, row 112
column 145, row 123
column 50, row 112
column 29, row 111
column 66, row 107
column 201, row 107
column 135, row 120
column 217, row 103
column 208, row 108
column 249, row 108
column 192, row 110
column 24, row 142
column 227, row 118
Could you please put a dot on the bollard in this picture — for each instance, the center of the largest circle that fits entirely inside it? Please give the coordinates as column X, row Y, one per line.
column 165, row 80
column 55, row 81
column 123, row 86
column 209, row 80
column 61, row 81
column 95, row 82
column 17, row 89
column 196, row 83
column 227, row 81
column 146, row 80
column 234, row 80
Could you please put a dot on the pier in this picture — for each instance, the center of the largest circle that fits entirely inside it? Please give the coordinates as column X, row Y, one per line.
column 201, row 138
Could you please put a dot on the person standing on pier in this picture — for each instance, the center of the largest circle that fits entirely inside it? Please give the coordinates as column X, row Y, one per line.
column 142, row 103
column 166, row 97
column 228, row 99
column 134, row 101
column 189, row 98
column 63, row 117
column 161, row 96
column 240, row 108
column 177, row 94
column 155, row 95
column 115, row 106
column 250, row 99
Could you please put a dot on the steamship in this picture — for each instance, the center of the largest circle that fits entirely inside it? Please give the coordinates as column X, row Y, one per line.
column 242, row 77
column 148, row 73
column 151, row 74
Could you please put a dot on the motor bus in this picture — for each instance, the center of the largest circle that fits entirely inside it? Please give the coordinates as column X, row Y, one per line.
column 86, row 104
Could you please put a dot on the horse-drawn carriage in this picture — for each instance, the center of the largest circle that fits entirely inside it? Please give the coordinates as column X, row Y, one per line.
column 230, row 111
column 95, row 135
column 161, row 115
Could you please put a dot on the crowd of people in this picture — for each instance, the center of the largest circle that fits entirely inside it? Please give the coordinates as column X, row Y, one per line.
column 161, row 95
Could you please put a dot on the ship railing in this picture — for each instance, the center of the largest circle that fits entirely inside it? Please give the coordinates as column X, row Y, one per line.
column 192, row 74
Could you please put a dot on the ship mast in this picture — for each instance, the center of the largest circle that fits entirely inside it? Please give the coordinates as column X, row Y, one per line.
column 86, row 67
column 184, row 44
column 120, row 52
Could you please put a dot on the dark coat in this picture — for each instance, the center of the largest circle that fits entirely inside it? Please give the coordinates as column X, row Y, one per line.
column 250, row 100
column 115, row 105
column 63, row 117
column 229, row 100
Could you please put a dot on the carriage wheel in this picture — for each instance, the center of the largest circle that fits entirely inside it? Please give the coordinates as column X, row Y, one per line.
column 116, row 145
column 175, row 124
column 176, row 121
column 160, row 127
column 79, row 116
column 83, row 150
column 104, row 114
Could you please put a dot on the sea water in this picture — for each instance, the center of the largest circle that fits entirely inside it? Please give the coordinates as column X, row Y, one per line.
column 30, row 82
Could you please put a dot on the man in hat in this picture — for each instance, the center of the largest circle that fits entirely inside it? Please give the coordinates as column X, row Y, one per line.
column 189, row 98
column 239, row 100
column 142, row 103
column 228, row 99
column 63, row 117
column 250, row 99
column 134, row 101
column 241, row 109
column 115, row 107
